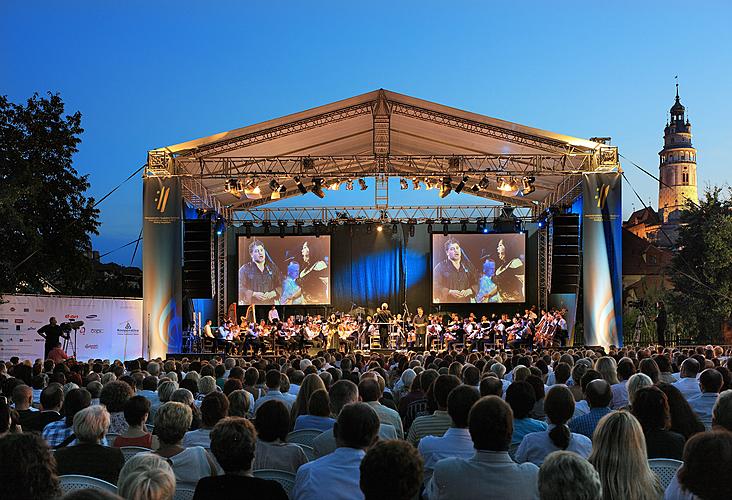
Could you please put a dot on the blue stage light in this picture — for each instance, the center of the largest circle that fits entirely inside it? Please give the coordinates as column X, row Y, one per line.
column 541, row 223
column 485, row 230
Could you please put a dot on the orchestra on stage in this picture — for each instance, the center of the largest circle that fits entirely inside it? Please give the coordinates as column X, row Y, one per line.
column 345, row 332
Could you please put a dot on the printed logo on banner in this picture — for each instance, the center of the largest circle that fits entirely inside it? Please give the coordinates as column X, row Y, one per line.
column 12, row 309
column 95, row 331
column 4, row 320
column 18, row 321
column 126, row 328
column 36, row 322
column 40, row 310
column 25, row 310
column 91, row 347
column 91, row 316
column 72, row 316
column 162, row 199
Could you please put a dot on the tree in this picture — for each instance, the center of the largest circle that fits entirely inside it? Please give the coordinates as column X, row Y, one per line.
column 702, row 267
column 47, row 220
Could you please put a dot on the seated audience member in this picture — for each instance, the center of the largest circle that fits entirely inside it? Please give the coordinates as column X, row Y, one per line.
column 311, row 383
column 22, row 399
column 649, row 367
column 599, row 397
column 233, row 443
column 391, row 469
column 89, row 457
column 273, row 450
column 706, row 470
column 491, row 469
column 625, row 370
column 95, row 389
column 491, row 386
column 683, row 419
column 635, row 383
column 567, row 476
column 415, row 393
column 241, row 404
column 370, row 393
column 688, row 384
column 52, row 398
column 608, row 367
column 337, row 475
column 318, row 415
column 521, row 397
column 172, row 420
column 273, row 379
column 146, row 476
column 559, row 407
column 136, row 411
column 456, row 442
column 7, row 414
column 619, row 456
column 20, row 454
column 722, row 412
column 342, row 393
column 581, row 406
column 439, row 422
column 214, row 407
column 60, row 433
column 114, row 396
column 417, row 408
column 578, row 371
column 537, row 412
column 186, row 397
column 710, row 383
column 650, row 407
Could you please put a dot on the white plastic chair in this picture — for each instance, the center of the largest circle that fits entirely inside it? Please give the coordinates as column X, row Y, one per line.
column 309, row 452
column 665, row 469
column 183, row 493
column 73, row 482
column 131, row 451
column 304, row 436
column 286, row 479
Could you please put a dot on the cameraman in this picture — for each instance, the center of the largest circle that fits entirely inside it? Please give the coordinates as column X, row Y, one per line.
column 52, row 332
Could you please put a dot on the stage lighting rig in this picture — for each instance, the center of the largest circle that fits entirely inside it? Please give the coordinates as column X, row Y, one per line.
column 283, row 227
column 446, row 187
column 318, row 225
column 349, row 185
column 480, row 226
column 527, row 184
column 461, row 184
column 317, row 188
column 298, row 227
column 220, row 226
column 445, row 226
column 412, row 227
column 394, row 226
column 334, row 185
column 484, row 182
column 507, row 185
column 300, row 185
column 362, row 184
column 266, row 224
column 308, row 164
column 464, row 225
column 429, row 225
column 415, row 184
column 379, row 227
column 403, row 185
column 248, row 228
column 232, row 187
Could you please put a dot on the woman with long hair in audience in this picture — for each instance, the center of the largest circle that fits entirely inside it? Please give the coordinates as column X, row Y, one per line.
column 273, row 450
column 559, row 408
column 706, row 470
column 683, row 419
column 318, row 416
column 172, row 421
column 310, row 384
column 27, row 468
column 650, row 407
column 649, row 367
column 620, row 458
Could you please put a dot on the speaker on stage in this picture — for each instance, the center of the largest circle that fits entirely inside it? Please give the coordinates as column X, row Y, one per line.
column 566, row 265
column 197, row 282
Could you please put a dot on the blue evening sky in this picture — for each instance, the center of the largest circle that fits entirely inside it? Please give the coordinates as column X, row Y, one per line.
column 146, row 74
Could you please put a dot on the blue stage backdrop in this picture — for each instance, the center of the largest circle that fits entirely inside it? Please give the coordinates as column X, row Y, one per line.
column 602, row 259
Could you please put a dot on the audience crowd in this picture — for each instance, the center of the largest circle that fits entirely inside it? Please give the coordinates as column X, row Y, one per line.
column 570, row 424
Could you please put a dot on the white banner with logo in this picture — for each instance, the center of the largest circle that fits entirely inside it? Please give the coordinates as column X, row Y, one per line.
column 112, row 327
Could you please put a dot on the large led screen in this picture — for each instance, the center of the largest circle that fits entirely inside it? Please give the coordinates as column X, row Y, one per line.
column 284, row 271
column 478, row 268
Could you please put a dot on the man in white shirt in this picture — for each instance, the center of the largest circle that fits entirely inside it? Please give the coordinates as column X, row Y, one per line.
column 688, row 384
column 491, row 471
column 710, row 383
column 273, row 315
column 342, row 393
column 370, row 393
column 272, row 380
column 456, row 442
column 337, row 475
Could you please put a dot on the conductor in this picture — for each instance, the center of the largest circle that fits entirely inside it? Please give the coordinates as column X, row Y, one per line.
column 51, row 332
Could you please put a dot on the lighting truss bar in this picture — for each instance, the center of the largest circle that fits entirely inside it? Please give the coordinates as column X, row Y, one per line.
column 406, row 214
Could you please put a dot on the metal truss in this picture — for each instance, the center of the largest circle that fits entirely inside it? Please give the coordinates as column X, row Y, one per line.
column 410, row 214
column 221, row 274
column 544, row 258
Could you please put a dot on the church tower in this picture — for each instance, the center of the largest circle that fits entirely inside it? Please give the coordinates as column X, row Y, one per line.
column 677, row 167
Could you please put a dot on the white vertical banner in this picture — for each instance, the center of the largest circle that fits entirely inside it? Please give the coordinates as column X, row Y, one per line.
column 112, row 327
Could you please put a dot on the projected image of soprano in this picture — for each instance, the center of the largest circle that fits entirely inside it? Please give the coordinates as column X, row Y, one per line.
column 260, row 280
column 455, row 278
column 314, row 274
column 510, row 273
column 291, row 289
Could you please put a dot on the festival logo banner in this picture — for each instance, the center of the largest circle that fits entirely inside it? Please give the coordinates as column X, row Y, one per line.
column 602, row 258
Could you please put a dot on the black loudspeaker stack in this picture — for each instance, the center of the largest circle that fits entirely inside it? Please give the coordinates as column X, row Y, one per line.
column 566, row 263
column 197, row 259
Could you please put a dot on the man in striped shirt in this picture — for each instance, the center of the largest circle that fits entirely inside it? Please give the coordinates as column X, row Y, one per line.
column 437, row 423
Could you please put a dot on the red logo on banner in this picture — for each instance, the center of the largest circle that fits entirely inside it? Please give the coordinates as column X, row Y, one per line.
column 18, row 321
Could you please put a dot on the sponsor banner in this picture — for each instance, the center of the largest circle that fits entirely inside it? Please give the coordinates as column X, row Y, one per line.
column 112, row 327
column 602, row 258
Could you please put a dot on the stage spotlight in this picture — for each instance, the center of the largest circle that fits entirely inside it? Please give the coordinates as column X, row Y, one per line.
column 349, row 185
column 334, row 185
column 298, row 227
column 507, row 185
column 394, row 227
column 411, row 230
column 278, row 190
column 300, row 185
column 248, row 229
column 461, row 184
column 446, row 187
column 464, row 225
column 541, row 224
column 369, row 227
column 480, row 225
column 445, row 226
column 429, row 225
column 308, row 164
column 318, row 228
column 232, row 186
column 220, row 226
column 266, row 224
column 475, row 188
column 317, row 188
column 379, row 228
column 362, row 184
column 484, row 183
column 403, row 184
column 527, row 184
column 454, row 163
column 283, row 227
column 415, row 184
column 274, row 185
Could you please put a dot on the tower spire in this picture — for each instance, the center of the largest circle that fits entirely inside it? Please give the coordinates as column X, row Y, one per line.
column 677, row 87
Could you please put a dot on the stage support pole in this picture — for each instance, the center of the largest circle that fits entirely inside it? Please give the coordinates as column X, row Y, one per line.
column 162, row 264
column 602, row 258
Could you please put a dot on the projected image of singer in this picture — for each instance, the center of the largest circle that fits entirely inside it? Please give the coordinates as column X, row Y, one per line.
column 510, row 273
column 313, row 275
column 260, row 280
column 455, row 277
